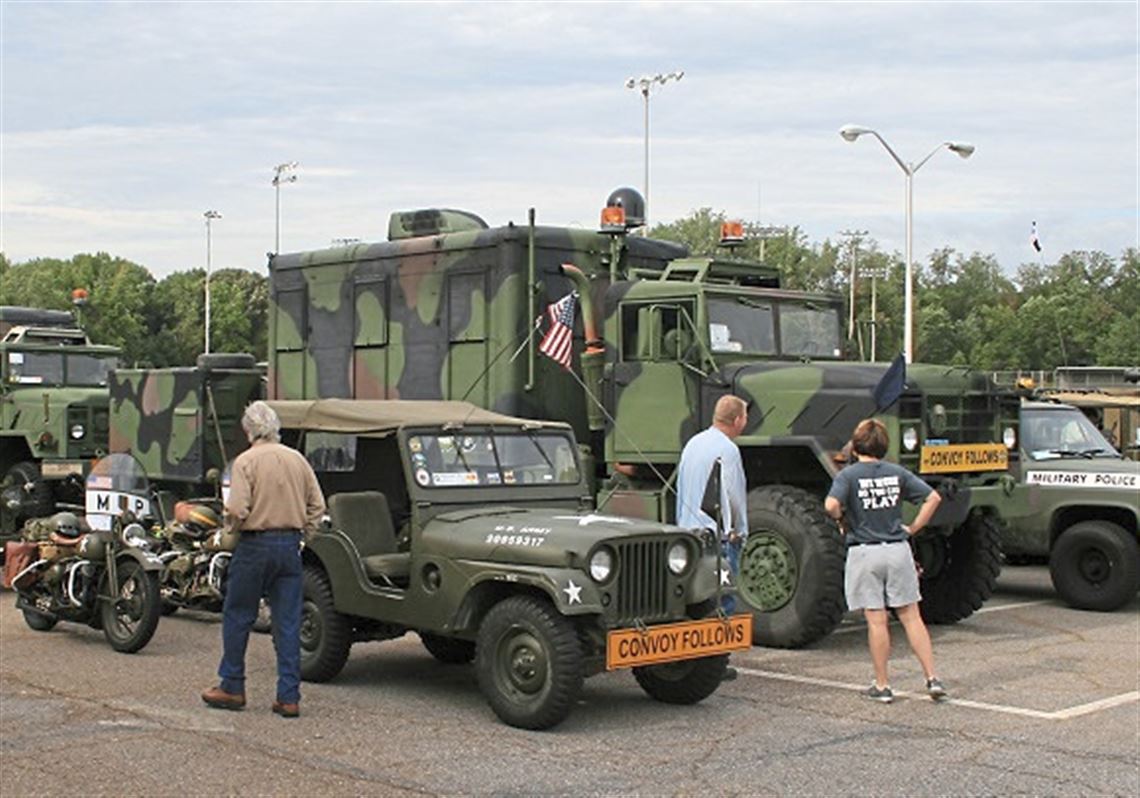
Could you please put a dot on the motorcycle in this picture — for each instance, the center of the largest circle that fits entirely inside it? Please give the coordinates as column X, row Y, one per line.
column 96, row 570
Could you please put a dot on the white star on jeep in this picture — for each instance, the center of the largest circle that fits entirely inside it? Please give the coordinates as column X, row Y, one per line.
column 725, row 576
column 573, row 592
column 591, row 518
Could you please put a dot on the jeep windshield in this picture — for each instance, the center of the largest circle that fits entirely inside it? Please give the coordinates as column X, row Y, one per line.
column 471, row 458
column 1061, row 433
column 59, row 368
column 748, row 325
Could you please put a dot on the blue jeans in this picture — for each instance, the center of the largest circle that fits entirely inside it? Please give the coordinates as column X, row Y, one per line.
column 264, row 564
column 730, row 552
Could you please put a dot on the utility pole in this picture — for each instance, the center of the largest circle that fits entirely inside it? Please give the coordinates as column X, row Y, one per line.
column 854, row 237
column 282, row 173
column 210, row 216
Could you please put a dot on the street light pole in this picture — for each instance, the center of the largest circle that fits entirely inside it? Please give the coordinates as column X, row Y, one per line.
column 210, row 216
column 962, row 150
column 643, row 84
column 279, row 177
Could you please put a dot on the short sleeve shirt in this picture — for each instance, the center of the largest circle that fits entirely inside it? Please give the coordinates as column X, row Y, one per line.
column 871, row 494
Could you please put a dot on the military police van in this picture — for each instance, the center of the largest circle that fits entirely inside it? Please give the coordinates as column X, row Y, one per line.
column 477, row 531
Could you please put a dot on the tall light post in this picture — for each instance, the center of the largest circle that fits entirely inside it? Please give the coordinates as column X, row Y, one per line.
column 963, row 150
column 282, row 173
column 643, row 84
column 853, row 238
column 210, row 216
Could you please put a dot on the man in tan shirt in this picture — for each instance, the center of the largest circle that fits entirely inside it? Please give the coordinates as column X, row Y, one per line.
column 274, row 501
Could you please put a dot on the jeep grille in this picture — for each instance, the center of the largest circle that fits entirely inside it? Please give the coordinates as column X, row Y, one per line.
column 641, row 591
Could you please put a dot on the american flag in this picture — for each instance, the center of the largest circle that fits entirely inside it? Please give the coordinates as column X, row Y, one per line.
column 559, row 339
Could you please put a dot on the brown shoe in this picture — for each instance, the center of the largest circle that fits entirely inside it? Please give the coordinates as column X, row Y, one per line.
column 286, row 710
column 217, row 698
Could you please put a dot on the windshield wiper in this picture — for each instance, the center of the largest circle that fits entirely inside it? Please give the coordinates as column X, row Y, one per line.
column 534, row 439
column 1066, row 453
column 1091, row 453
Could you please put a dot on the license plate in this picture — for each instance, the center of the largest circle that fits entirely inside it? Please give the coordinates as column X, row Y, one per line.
column 670, row 642
column 963, row 457
column 58, row 469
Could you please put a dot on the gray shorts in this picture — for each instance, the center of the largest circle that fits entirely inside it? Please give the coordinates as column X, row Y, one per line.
column 881, row 576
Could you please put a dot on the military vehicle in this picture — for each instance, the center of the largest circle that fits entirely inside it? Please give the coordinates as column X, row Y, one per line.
column 476, row 530
column 1084, row 502
column 53, row 412
column 449, row 308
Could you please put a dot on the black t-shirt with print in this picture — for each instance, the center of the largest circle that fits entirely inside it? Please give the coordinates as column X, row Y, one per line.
column 871, row 494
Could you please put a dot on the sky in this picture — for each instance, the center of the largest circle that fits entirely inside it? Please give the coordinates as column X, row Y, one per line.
column 122, row 123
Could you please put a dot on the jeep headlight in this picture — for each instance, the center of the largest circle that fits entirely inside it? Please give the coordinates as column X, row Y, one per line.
column 601, row 565
column 910, row 439
column 678, row 558
column 1009, row 437
column 77, row 431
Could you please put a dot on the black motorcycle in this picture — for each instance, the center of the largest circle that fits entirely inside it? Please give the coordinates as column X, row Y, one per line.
column 95, row 570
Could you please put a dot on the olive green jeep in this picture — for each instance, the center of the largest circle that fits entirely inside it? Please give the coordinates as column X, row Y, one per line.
column 476, row 531
column 1083, row 500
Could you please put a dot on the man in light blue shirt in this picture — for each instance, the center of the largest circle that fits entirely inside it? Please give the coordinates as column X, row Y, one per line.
column 697, row 460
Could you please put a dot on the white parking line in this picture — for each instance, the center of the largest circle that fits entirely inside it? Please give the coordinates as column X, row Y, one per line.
column 1062, row 714
column 859, row 627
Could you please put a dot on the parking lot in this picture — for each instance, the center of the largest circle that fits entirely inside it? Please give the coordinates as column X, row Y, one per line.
column 1044, row 701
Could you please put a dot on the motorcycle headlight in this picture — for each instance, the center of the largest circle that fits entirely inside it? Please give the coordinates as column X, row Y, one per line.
column 135, row 536
column 77, row 431
column 678, row 558
column 601, row 565
column 910, row 439
column 1009, row 437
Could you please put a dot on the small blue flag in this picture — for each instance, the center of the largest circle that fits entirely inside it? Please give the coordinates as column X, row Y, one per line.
column 891, row 386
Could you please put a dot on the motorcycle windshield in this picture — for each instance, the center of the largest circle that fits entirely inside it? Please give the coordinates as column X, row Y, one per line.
column 226, row 478
column 117, row 485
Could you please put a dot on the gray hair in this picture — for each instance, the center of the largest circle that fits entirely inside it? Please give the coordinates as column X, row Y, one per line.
column 261, row 423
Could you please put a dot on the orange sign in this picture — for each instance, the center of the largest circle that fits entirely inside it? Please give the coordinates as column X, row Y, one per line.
column 653, row 645
column 953, row 458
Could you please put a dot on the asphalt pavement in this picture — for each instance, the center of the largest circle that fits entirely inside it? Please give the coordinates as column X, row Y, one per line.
column 1045, row 700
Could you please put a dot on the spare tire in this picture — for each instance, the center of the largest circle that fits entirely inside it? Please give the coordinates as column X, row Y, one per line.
column 226, row 360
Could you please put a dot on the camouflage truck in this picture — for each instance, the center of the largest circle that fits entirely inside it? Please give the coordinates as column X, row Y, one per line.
column 476, row 531
column 448, row 307
column 53, row 412
column 183, row 425
column 1083, row 502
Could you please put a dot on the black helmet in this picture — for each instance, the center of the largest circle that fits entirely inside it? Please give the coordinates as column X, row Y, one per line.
column 631, row 201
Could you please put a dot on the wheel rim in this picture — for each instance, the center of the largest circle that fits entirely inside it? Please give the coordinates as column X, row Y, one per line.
column 769, row 571
column 129, row 605
column 1094, row 566
column 311, row 626
column 521, row 663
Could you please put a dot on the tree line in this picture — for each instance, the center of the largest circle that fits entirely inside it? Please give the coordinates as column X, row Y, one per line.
column 1083, row 309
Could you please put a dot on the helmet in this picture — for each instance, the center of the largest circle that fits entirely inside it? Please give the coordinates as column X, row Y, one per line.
column 65, row 524
column 204, row 517
column 631, row 201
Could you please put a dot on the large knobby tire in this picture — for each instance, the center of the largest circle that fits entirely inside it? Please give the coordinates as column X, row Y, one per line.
column 959, row 571
column 450, row 650
column 529, row 662
column 35, row 503
column 130, row 620
column 1095, row 565
column 39, row 621
column 791, row 568
column 326, row 635
column 684, row 682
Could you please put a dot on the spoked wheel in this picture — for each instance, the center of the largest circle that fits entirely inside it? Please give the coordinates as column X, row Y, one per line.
column 130, row 619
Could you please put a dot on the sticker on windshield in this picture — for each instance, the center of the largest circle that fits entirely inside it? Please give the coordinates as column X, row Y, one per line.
column 415, row 446
column 423, row 477
column 450, row 480
column 16, row 358
column 509, row 476
column 493, row 478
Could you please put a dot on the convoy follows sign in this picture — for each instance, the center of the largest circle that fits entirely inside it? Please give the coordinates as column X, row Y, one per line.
column 963, row 457
column 626, row 648
column 1082, row 479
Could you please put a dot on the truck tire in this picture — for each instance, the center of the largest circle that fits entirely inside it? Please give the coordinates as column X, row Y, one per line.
column 529, row 662
column 36, row 503
column 449, row 650
column 226, row 360
column 684, row 682
column 959, row 571
column 1095, row 565
column 791, row 568
column 326, row 635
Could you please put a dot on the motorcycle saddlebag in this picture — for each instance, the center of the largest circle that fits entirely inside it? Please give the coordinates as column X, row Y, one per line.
column 18, row 555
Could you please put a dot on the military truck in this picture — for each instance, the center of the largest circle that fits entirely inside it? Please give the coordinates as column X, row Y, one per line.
column 1084, row 502
column 450, row 308
column 53, row 412
column 476, row 530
